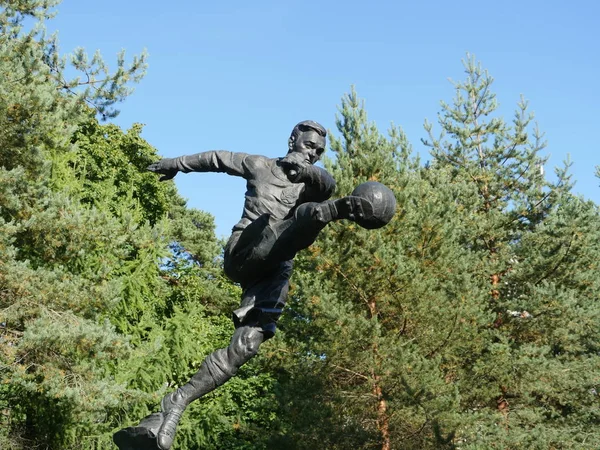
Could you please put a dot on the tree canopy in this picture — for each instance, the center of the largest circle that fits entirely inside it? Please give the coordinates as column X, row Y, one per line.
column 470, row 321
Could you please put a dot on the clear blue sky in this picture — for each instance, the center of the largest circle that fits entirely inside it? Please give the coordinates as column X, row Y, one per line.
column 238, row 75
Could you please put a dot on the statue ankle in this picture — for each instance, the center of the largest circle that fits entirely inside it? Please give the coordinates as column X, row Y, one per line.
column 174, row 399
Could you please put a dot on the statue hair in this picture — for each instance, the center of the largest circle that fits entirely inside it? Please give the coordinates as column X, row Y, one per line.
column 307, row 125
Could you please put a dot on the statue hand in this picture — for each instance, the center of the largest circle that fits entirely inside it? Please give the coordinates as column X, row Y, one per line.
column 294, row 165
column 165, row 167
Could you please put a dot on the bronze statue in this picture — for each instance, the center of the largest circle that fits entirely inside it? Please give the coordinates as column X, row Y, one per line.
column 287, row 205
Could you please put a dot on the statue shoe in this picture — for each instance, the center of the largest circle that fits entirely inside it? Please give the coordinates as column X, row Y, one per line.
column 172, row 411
column 140, row 437
column 351, row 208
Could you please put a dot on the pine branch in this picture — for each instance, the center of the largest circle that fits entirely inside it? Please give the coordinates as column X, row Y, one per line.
column 360, row 293
column 445, row 341
column 360, row 375
column 555, row 268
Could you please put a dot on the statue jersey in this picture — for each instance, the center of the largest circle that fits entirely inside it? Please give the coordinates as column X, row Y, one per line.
column 268, row 189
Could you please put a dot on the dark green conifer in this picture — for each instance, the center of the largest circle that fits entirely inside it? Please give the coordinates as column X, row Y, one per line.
column 467, row 322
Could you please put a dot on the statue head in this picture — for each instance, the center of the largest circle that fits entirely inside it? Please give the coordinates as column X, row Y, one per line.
column 308, row 137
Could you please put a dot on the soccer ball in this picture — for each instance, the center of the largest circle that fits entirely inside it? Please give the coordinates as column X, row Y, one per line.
column 383, row 201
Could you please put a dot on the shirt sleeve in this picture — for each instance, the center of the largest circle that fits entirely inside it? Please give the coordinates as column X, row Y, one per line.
column 232, row 163
column 319, row 183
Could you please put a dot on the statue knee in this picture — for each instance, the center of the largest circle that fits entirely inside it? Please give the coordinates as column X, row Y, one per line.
column 244, row 344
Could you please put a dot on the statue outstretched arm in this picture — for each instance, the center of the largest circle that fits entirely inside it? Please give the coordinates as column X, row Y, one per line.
column 231, row 163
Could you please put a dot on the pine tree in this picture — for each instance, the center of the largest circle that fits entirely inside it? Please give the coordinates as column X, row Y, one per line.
column 533, row 240
column 360, row 321
column 35, row 116
column 467, row 322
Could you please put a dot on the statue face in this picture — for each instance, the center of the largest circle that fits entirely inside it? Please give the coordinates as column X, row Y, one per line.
column 311, row 144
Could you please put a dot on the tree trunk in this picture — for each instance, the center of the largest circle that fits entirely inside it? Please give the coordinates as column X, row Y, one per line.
column 383, row 422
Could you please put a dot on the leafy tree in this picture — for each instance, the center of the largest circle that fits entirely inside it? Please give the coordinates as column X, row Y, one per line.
column 83, row 294
column 55, row 343
column 111, row 286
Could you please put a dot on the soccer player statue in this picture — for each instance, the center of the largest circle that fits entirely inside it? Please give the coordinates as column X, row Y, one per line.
column 287, row 205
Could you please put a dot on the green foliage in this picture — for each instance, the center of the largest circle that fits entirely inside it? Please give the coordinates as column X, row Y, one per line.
column 468, row 321
column 98, row 311
column 96, row 86
column 107, row 164
column 536, row 243
column 39, row 106
column 59, row 277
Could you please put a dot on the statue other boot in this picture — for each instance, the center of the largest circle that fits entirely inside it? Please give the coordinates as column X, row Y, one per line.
column 216, row 369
